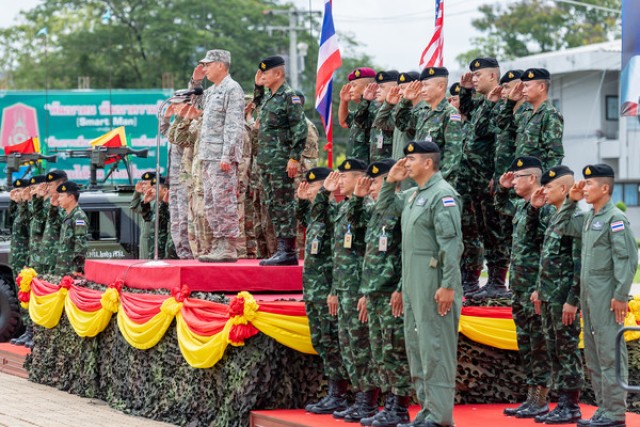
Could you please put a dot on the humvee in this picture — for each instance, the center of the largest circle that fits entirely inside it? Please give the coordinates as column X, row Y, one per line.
column 113, row 234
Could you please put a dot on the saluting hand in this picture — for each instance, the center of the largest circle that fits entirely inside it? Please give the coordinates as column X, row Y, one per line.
column 393, row 96
column 303, row 191
column 396, row 304
column 412, row 91
column 444, row 299
column 198, row 72
column 345, row 96
column 576, row 193
column 362, row 310
column 362, row 186
column 332, row 182
column 370, row 91
column 506, row 180
column 516, row 93
column 495, row 94
column 398, row 172
column 332, row 303
column 537, row 198
column 466, row 81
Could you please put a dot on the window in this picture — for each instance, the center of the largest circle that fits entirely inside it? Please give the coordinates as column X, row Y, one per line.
column 103, row 225
column 627, row 193
column 612, row 108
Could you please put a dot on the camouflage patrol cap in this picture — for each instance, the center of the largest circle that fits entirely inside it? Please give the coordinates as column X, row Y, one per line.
column 148, row 176
column 555, row 173
column 480, row 63
column 353, row 165
column 599, row 170
column 421, row 147
column 525, row 162
column 387, row 76
column 317, row 174
column 510, row 76
column 454, row 90
column 408, row 77
column 433, row 72
column 535, row 74
column 69, row 187
column 37, row 179
column 217, row 55
column 270, row 62
column 55, row 175
column 380, row 167
column 21, row 183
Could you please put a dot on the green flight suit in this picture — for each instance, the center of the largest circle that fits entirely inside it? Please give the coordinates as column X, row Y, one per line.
column 609, row 262
column 431, row 251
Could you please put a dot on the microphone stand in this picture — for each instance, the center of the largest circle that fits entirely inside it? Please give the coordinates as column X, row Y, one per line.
column 157, row 210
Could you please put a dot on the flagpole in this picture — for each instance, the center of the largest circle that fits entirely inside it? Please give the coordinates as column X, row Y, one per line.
column 46, row 92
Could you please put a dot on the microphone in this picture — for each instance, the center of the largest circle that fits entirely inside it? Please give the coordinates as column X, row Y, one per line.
column 189, row 92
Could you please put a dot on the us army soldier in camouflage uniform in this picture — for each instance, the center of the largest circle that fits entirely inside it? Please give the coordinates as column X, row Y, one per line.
column 72, row 246
column 440, row 123
column 316, row 211
column 431, row 285
column 528, row 233
column 540, row 129
column 382, row 304
column 556, row 299
column 359, row 130
column 55, row 215
column 609, row 261
column 281, row 138
column 373, row 97
column 220, row 152
column 350, row 226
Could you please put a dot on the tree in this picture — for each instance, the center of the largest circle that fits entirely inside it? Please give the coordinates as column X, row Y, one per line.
column 535, row 26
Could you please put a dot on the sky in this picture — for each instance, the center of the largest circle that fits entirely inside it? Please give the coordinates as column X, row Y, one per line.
column 393, row 32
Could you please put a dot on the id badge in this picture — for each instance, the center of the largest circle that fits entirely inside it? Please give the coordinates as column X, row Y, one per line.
column 347, row 240
column 382, row 244
column 315, row 246
column 380, row 141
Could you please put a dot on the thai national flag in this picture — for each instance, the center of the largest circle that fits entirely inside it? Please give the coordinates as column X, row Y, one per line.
column 329, row 61
column 432, row 55
column 617, row 226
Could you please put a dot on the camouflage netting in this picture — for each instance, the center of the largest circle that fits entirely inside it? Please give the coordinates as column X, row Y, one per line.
column 263, row 374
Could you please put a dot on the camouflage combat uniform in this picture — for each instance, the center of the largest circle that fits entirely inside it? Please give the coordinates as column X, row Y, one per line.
column 384, row 123
column 20, row 238
column 507, row 121
column 381, row 276
column 146, row 225
column 39, row 209
column 308, row 161
column 164, row 227
column 381, row 139
column 247, row 241
column 281, row 137
column 202, row 229
column 50, row 237
column 317, row 279
column 359, row 122
column 539, row 135
column 72, row 246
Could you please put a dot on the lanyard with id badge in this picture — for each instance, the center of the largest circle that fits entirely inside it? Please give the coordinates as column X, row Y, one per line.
column 315, row 246
column 382, row 242
column 348, row 237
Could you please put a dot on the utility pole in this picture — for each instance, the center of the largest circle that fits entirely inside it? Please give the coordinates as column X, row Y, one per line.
column 294, row 46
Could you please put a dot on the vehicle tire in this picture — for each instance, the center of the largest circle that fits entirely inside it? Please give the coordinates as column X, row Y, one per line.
column 10, row 321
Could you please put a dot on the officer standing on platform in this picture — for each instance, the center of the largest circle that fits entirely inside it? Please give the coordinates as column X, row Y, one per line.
column 431, row 282
column 360, row 129
column 55, row 216
column 281, row 139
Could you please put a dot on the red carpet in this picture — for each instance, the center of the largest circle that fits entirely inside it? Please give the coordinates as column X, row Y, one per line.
column 489, row 415
column 244, row 275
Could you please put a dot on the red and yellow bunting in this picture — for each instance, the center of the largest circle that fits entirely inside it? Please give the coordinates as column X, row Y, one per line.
column 205, row 329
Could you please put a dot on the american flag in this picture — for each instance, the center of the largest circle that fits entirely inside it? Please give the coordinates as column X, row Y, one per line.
column 329, row 61
column 432, row 55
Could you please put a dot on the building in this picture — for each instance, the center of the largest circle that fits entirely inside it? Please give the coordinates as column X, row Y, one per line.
column 585, row 88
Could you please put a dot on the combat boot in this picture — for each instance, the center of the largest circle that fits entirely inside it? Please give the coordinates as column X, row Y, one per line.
column 470, row 282
column 214, row 252
column 496, row 285
column 228, row 250
column 285, row 253
column 510, row 412
column 25, row 338
column 354, row 407
column 568, row 409
column 368, row 407
column 538, row 406
column 388, row 404
column 334, row 401
column 398, row 414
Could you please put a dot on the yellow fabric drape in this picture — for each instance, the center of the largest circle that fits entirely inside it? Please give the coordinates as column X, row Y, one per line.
column 85, row 323
column 46, row 310
column 201, row 351
column 146, row 335
column 292, row 331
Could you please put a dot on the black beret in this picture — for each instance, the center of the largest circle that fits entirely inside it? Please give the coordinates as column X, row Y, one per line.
column 409, row 76
column 432, row 72
column 525, row 162
column 148, row 176
column 598, row 171
column 555, row 173
column 317, row 174
column 480, row 63
column 55, row 175
column 37, row 179
column 68, row 187
column 387, row 76
column 418, row 147
column 271, row 62
column 353, row 165
column 380, row 167
column 535, row 74
column 454, row 90
column 510, row 76
column 21, row 183
column 163, row 180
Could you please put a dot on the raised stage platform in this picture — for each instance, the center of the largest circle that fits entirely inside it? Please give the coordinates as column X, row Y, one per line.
column 12, row 359
column 244, row 275
column 489, row 415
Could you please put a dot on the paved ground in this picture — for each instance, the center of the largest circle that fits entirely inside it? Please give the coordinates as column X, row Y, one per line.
column 26, row 404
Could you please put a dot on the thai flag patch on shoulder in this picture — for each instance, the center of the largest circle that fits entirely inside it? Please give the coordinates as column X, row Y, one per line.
column 617, row 226
column 455, row 118
column 448, row 202
column 80, row 222
column 295, row 100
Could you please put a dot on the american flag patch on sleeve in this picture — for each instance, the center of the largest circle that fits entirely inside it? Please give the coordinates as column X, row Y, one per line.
column 80, row 222
column 295, row 100
column 455, row 117
column 448, row 202
column 617, row 226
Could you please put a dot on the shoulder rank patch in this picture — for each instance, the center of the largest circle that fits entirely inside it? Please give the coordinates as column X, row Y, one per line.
column 80, row 222
column 455, row 118
column 448, row 202
column 617, row 226
column 295, row 100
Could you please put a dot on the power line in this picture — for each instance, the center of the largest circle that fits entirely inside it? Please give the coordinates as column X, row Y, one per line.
column 589, row 6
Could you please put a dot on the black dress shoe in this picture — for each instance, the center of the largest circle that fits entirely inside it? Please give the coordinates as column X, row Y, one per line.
column 606, row 422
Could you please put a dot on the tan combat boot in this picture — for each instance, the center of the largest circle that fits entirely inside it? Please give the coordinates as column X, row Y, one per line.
column 228, row 251
column 214, row 253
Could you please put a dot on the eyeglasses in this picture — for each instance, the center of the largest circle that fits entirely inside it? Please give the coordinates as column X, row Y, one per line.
column 518, row 175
